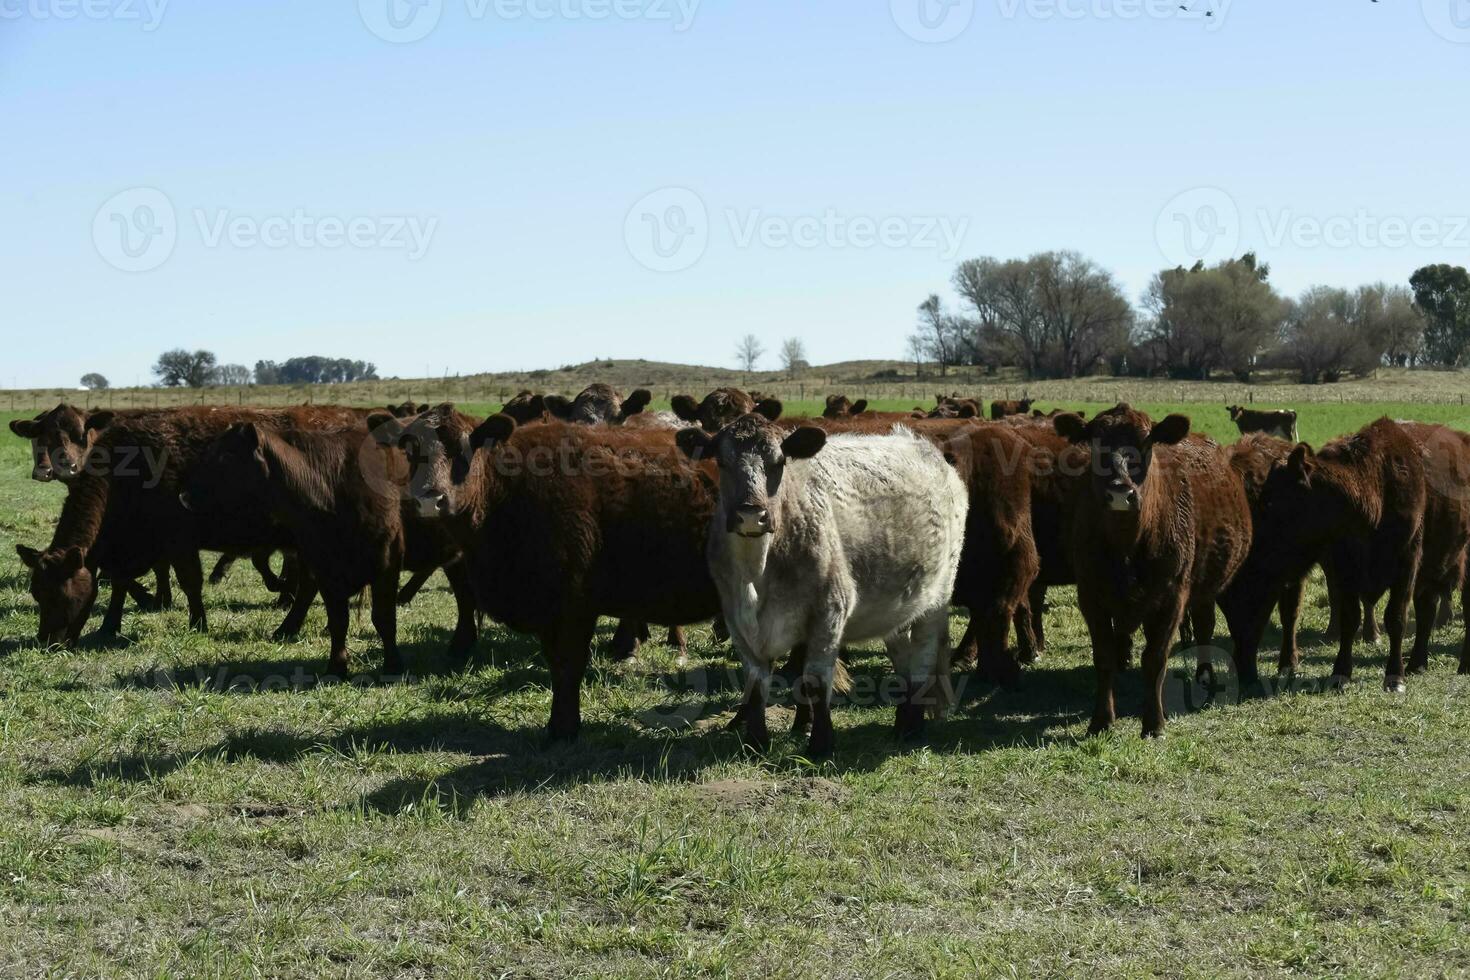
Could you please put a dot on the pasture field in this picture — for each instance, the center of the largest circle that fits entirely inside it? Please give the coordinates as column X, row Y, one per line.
column 200, row 805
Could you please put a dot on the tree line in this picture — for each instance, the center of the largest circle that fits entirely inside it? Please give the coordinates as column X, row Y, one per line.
column 182, row 368
column 1060, row 315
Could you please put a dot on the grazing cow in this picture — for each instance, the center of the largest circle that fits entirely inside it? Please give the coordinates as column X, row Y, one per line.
column 561, row 524
column 1001, row 409
column 1161, row 527
column 820, row 541
column 1358, row 507
column 598, row 403
column 340, row 494
column 123, row 517
column 1281, row 424
column 719, row 408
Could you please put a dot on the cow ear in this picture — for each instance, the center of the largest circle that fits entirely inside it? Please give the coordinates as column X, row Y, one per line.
column 385, row 427
column 72, row 561
column 497, row 428
column 769, row 407
column 696, row 443
column 858, row 407
column 29, row 557
column 1070, row 427
column 1170, row 431
column 558, row 406
column 804, row 443
column 1301, row 463
column 685, row 407
column 25, row 428
column 98, row 421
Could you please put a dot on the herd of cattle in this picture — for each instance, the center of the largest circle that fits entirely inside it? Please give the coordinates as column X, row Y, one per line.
column 795, row 536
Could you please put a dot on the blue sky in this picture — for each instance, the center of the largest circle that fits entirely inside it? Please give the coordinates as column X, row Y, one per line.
column 534, row 182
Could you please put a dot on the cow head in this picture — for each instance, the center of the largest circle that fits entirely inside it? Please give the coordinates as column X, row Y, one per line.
column 955, row 408
column 406, row 410
column 233, row 471
column 439, row 445
column 839, row 407
column 598, row 403
column 60, row 441
column 752, row 454
column 1235, row 411
column 1122, row 443
column 723, row 406
column 64, row 589
column 525, row 408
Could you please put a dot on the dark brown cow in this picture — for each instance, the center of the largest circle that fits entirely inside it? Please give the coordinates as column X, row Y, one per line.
column 561, row 524
column 526, row 408
column 1001, row 409
column 407, row 409
column 122, row 517
column 341, row 495
column 598, row 403
column 1358, row 507
column 721, row 407
column 1161, row 527
column 955, row 407
column 1281, row 424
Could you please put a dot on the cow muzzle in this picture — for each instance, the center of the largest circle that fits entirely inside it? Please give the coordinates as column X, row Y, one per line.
column 750, row 522
column 42, row 474
column 1122, row 498
column 432, row 504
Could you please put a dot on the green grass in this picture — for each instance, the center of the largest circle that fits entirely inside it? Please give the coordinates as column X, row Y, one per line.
column 177, row 807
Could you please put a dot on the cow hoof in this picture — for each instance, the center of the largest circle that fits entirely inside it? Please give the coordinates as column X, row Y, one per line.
column 1394, row 685
column 1099, row 727
column 816, row 750
column 759, row 744
column 1153, row 733
column 1417, row 668
column 1339, row 682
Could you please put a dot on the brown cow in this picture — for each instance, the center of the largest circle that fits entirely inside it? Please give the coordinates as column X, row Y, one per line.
column 1281, row 424
column 718, row 409
column 598, row 403
column 1357, row 506
column 1001, row 409
column 560, row 524
column 340, row 494
column 955, row 407
column 1161, row 527
column 526, row 408
column 839, row 407
column 407, row 409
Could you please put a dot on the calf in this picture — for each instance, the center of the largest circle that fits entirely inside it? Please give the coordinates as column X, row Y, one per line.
column 839, row 407
column 340, row 494
column 1161, row 527
column 1281, row 424
column 820, row 541
column 1357, row 506
column 598, row 403
column 1001, row 409
column 721, row 407
column 560, row 524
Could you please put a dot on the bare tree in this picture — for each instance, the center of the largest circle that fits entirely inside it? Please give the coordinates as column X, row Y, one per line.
column 916, row 351
column 940, row 335
column 793, row 356
column 749, row 352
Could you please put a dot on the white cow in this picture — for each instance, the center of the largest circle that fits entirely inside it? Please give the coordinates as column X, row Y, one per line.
column 824, row 541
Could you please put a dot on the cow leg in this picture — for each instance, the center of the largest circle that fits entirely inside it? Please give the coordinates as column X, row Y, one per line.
column 921, row 658
column 1465, row 644
column 116, row 602
column 796, row 662
column 74, row 631
column 261, row 560
column 1027, row 649
column 144, row 599
column 721, row 631
column 303, row 594
column 1334, row 596
column 1038, row 624
column 221, row 569
column 1290, row 606
column 995, row 663
column 757, row 675
column 163, row 592
column 191, row 580
column 385, row 617
column 466, row 633
column 1158, row 636
column 1426, row 607
column 968, row 652
column 568, row 648
column 291, row 578
column 625, row 639
column 338, row 609
column 1348, row 609
column 814, row 692
column 679, row 642
column 1394, row 619
column 415, row 583
column 1370, row 621
column 1202, row 618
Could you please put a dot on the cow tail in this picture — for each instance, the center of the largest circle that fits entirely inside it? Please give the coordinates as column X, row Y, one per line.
column 841, row 679
column 942, row 686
